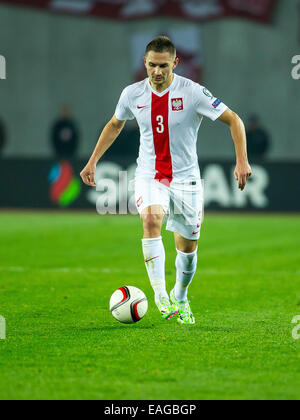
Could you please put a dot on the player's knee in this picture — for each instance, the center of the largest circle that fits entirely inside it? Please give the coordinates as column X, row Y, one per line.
column 152, row 224
column 188, row 247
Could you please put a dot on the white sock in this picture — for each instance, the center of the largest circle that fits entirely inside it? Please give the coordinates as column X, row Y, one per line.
column 186, row 265
column 155, row 258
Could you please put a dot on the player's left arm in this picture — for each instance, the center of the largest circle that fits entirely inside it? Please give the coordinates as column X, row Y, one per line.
column 243, row 170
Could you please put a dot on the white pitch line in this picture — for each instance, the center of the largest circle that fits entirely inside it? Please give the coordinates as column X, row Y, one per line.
column 67, row 270
column 256, row 272
column 15, row 269
column 62, row 270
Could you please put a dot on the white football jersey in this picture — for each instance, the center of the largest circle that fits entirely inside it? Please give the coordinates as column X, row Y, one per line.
column 169, row 123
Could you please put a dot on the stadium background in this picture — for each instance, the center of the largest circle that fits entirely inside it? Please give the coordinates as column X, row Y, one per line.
column 54, row 59
column 58, row 268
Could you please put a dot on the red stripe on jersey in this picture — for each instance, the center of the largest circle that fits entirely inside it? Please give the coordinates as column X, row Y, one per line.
column 160, row 128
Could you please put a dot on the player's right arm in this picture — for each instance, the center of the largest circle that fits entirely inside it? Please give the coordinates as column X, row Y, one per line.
column 109, row 134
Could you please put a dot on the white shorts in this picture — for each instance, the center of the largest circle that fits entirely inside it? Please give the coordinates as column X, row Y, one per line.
column 183, row 204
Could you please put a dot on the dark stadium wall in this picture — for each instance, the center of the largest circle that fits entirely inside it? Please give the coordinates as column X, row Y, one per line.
column 84, row 62
column 51, row 184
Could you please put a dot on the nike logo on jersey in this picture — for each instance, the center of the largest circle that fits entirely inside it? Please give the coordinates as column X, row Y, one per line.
column 139, row 202
column 141, row 107
column 154, row 258
column 195, row 233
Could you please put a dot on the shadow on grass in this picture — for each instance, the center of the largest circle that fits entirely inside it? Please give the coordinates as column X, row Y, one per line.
column 126, row 328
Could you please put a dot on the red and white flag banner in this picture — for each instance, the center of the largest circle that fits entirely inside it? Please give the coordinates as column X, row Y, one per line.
column 194, row 10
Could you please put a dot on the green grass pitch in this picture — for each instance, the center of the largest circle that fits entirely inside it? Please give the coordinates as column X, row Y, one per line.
column 58, row 271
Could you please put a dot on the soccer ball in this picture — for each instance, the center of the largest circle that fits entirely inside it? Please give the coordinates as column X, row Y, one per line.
column 128, row 305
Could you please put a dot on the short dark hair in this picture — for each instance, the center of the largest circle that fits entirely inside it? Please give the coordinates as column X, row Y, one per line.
column 161, row 44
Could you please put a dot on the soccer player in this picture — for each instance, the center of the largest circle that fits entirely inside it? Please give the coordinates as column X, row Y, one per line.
column 169, row 110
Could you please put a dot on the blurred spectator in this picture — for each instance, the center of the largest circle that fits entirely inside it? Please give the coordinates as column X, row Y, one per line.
column 65, row 135
column 258, row 139
column 2, row 136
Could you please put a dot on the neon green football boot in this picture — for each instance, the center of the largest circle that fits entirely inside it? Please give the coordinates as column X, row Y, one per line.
column 186, row 316
column 167, row 310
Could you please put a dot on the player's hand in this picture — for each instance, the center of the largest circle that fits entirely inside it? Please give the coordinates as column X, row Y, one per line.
column 88, row 175
column 242, row 172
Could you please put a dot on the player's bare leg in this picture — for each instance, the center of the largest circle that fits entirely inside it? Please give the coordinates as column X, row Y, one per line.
column 186, row 265
column 152, row 218
column 154, row 253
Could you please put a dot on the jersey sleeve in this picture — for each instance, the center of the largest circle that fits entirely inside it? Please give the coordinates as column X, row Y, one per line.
column 123, row 112
column 206, row 104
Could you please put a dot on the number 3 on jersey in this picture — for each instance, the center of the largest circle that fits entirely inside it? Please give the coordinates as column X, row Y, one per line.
column 160, row 120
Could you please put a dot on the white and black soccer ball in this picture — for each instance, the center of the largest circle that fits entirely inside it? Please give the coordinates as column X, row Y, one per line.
column 128, row 305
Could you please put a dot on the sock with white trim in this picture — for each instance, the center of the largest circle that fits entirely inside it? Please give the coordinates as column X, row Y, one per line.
column 155, row 258
column 186, row 266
